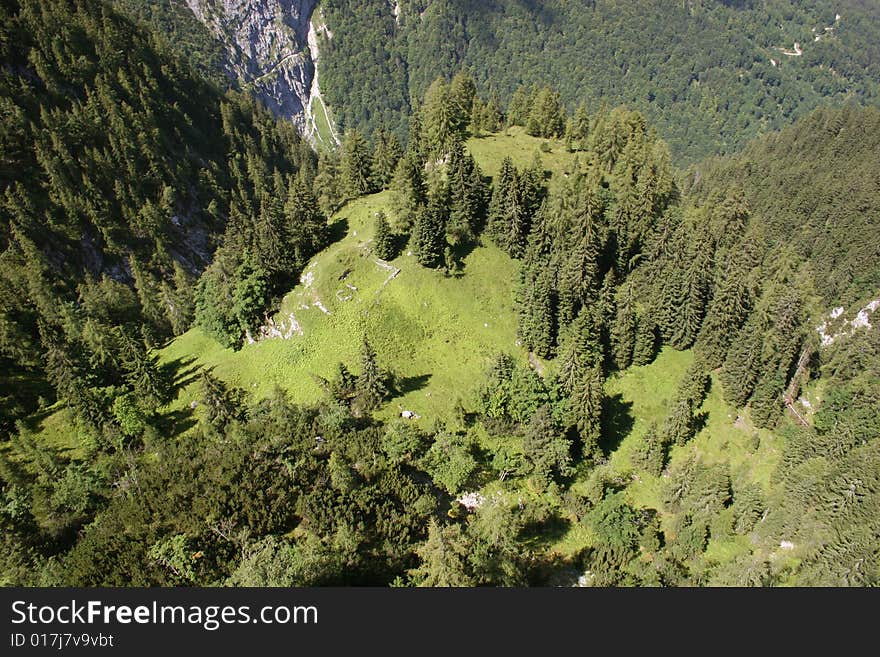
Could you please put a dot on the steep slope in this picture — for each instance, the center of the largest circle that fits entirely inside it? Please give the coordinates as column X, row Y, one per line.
column 116, row 181
column 709, row 75
column 271, row 51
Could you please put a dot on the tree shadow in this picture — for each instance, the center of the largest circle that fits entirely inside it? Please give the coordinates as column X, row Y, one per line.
column 617, row 422
column 406, row 384
column 337, row 230
column 180, row 372
column 174, row 423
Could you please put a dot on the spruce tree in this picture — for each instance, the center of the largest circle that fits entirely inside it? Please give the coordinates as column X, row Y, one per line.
column 545, row 448
column 500, row 193
column 645, row 343
column 546, row 117
column 386, row 155
column 223, row 404
column 585, row 407
column 429, row 234
column 371, row 388
column 623, row 335
column 356, row 165
column 409, row 193
column 384, row 239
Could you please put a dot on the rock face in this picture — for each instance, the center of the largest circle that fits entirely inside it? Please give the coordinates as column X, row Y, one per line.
column 266, row 42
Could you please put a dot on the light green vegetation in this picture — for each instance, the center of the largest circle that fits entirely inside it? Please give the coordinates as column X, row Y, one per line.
column 324, row 132
column 437, row 333
column 640, row 397
column 490, row 150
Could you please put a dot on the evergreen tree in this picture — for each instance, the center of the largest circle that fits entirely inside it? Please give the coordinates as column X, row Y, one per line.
column 623, row 335
column 546, row 117
column 384, row 239
column 222, row 403
column 462, row 91
column 586, row 409
column 429, row 234
column 409, row 193
column 766, row 401
column 356, row 165
column 645, row 344
column 371, row 388
column 444, row 558
column 547, row 451
column 386, row 155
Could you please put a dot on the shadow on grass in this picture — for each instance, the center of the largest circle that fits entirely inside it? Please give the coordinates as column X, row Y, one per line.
column 181, row 372
column 337, row 230
column 406, row 384
column 176, row 422
column 618, row 422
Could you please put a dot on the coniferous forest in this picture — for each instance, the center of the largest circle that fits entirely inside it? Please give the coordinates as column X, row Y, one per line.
column 585, row 320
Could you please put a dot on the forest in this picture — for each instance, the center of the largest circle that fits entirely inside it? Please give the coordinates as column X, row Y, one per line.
column 710, row 75
column 518, row 344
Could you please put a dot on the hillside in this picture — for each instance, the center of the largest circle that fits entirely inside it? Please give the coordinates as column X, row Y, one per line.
column 503, row 351
column 709, row 75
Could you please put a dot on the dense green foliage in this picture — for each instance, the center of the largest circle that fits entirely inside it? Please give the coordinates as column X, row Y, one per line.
column 702, row 72
column 138, row 200
column 120, row 170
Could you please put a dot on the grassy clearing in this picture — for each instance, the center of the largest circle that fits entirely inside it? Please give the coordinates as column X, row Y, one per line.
column 491, row 149
column 437, row 333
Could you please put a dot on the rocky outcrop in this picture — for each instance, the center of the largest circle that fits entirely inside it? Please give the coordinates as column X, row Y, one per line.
column 266, row 42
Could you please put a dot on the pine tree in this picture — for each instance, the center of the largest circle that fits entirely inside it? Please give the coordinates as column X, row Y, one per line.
column 467, row 197
column 222, row 403
column 645, row 345
column 546, row 450
column 521, row 103
column 586, row 409
column 442, row 126
column 537, row 316
column 329, row 184
column 623, row 335
column 306, row 225
column 386, row 155
column 547, row 116
column 409, row 192
column 727, row 310
column 384, row 239
column 444, row 558
column 356, row 165
column 462, row 91
column 429, row 234
column 142, row 372
column 680, row 426
column 500, row 194
column 742, row 364
column 766, row 401
column 371, row 388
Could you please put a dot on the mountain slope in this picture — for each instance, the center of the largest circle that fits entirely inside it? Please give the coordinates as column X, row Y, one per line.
column 710, row 75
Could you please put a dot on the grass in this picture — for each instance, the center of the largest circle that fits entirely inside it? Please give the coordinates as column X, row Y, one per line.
column 322, row 123
column 490, row 150
column 437, row 333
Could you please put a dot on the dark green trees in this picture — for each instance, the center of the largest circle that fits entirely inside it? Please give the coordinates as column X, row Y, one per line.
column 371, row 387
column 385, row 247
column 545, row 448
column 547, row 115
column 429, row 233
column 516, row 198
column 356, row 166
column 386, row 155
